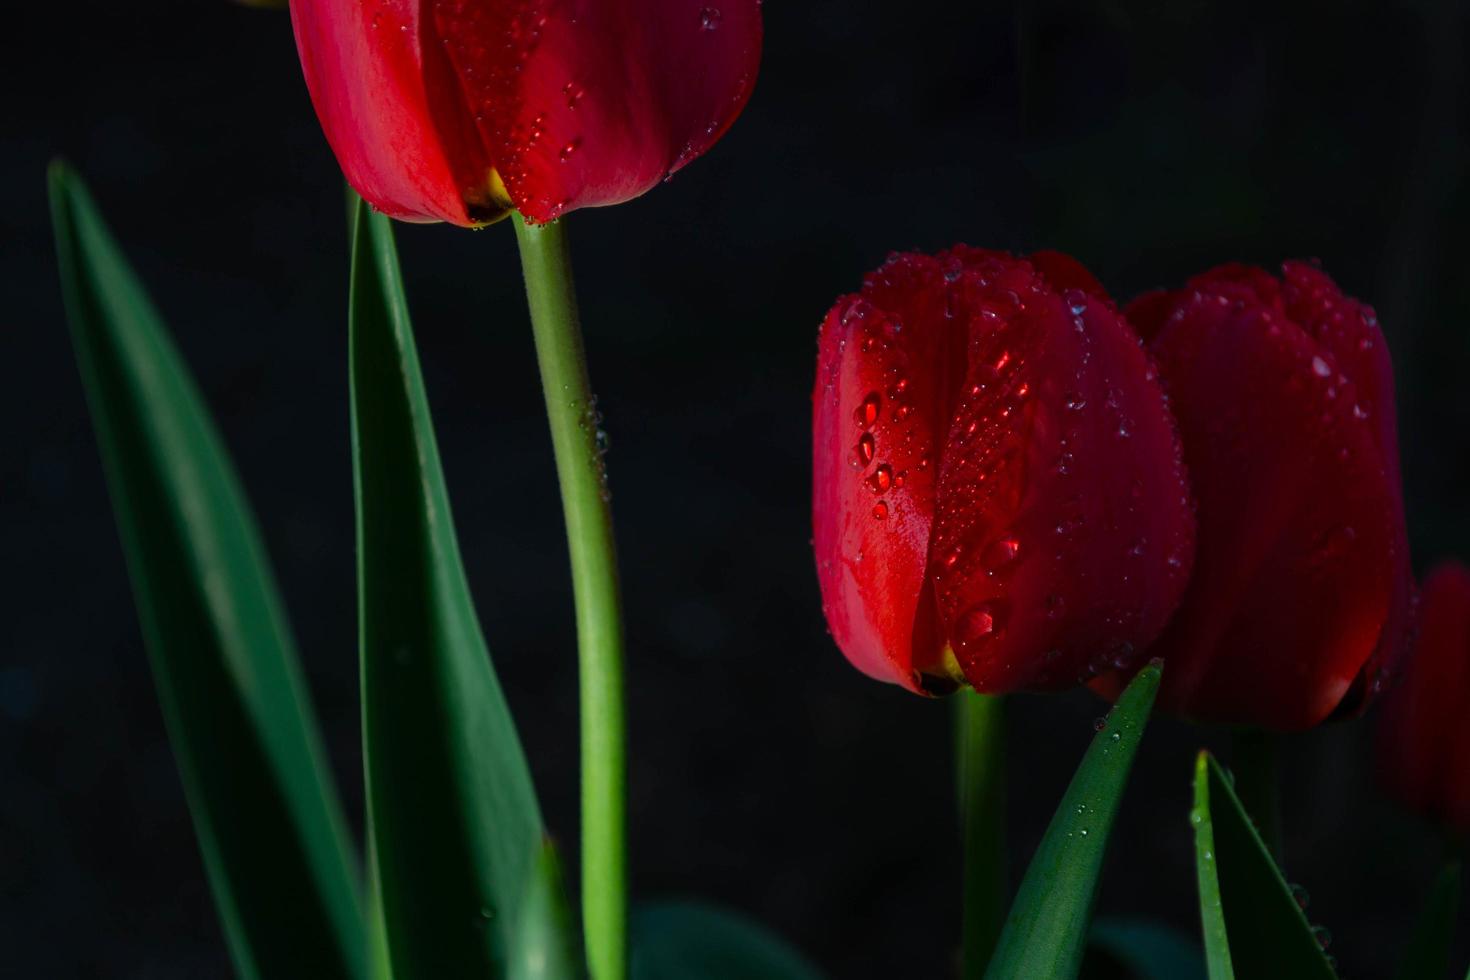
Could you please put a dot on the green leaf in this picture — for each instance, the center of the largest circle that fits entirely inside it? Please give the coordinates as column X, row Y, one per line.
column 1211, row 908
column 269, row 825
column 1046, row 931
column 1147, row 950
column 1253, row 925
column 466, row 884
column 1428, row 955
column 680, row 941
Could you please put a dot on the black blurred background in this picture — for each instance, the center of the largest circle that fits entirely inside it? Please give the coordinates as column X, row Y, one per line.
column 1150, row 139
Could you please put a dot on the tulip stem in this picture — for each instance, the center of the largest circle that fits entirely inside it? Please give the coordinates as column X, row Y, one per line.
column 980, row 778
column 572, row 411
column 1256, row 764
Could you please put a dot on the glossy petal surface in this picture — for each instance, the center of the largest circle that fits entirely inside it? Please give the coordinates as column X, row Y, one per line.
column 997, row 482
column 454, row 109
column 1300, row 586
column 1423, row 741
column 591, row 102
column 390, row 108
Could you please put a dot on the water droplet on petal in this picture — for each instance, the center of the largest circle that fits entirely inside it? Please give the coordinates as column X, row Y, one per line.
column 881, row 479
column 1320, row 367
column 867, row 412
column 864, row 449
column 709, row 18
column 976, row 624
column 880, row 511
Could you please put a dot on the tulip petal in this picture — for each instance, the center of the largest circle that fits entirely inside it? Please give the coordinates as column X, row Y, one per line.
column 1064, row 536
column 1423, row 739
column 1298, row 522
column 590, row 102
column 875, row 418
column 391, row 110
column 1058, row 537
column 1350, row 330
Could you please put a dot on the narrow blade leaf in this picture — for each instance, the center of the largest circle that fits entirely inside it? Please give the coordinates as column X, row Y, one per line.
column 1243, row 897
column 1428, row 955
column 1046, row 932
column 465, row 882
column 242, row 729
column 678, row 941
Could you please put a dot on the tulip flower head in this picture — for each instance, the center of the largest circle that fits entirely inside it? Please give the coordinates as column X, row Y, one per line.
column 998, row 497
column 1301, row 594
column 458, row 110
column 1423, row 744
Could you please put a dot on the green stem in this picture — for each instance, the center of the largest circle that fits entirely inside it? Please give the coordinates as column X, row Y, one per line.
column 546, row 262
column 980, row 777
column 1256, row 766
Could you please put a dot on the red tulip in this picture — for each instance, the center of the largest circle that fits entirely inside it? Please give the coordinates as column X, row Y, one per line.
column 998, row 495
column 456, row 110
column 1300, row 597
column 1423, row 741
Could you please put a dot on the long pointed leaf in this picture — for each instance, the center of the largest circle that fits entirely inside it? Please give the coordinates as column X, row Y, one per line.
column 1046, row 932
column 1268, row 932
column 1428, row 955
column 464, row 877
column 682, row 941
column 1211, row 908
column 269, row 825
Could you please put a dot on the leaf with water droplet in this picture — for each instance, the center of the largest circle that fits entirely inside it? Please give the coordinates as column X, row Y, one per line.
column 1046, row 930
column 1253, row 924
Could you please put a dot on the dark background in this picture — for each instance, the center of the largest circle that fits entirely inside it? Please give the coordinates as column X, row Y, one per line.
column 1150, row 139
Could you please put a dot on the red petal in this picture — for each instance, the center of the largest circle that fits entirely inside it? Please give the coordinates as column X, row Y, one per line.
column 590, row 102
column 1422, row 740
column 1349, row 329
column 1059, row 538
column 390, row 109
column 880, row 380
column 1064, row 535
column 1298, row 516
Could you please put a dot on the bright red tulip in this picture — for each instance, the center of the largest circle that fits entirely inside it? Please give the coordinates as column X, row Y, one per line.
column 1301, row 592
column 998, row 495
column 456, row 110
column 1423, row 741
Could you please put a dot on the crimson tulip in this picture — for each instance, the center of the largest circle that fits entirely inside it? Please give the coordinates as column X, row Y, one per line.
column 457, row 110
column 998, row 497
column 1423, row 742
column 1301, row 594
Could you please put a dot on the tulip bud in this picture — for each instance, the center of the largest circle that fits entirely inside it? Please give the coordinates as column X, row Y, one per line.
column 456, row 110
column 1300, row 598
column 1423, row 742
column 998, row 497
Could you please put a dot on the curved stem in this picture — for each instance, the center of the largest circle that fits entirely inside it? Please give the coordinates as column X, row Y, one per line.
column 980, row 778
column 1255, row 763
column 572, row 411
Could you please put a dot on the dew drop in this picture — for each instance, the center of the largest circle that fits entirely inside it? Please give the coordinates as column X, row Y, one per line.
column 1073, row 401
column 709, row 18
column 1000, row 552
column 1099, row 723
column 867, row 412
column 881, row 479
column 1320, row 367
column 569, row 148
column 864, row 450
column 976, row 624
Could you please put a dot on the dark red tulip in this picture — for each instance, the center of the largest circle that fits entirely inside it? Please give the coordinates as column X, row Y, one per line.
column 1423, row 740
column 456, row 110
column 998, row 496
column 1300, row 597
